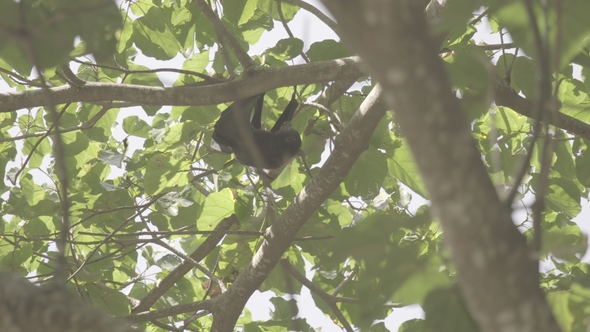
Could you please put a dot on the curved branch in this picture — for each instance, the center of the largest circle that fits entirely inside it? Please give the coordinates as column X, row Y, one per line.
column 318, row 13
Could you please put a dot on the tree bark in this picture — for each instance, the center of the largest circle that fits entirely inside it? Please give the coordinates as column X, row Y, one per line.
column 497, row 275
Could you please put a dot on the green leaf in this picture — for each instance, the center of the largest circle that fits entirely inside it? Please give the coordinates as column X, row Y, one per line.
column 558, row 302
column 414, row 325
column 135, row 126
column 565, row 242
column 32, row 192
column 367, row 174
column 218, row 206
column 202, row 115
column 111, row 157
column 163, row 172
column 574, row 99
column 169, row 262
column 271, row 8
column 574, row 26
column 286, row 49
column 403, row 167
column 420, row 283
column 564, row 164
column 154, row 35
column 239, row 11
column 38, row 226
column 178, row 133
column 327, row 50
column 244, row 205
column 446, row 311
column 583, row 163
column 111, row 301
column 284, row 310
column 563, row 196
column 75, row 143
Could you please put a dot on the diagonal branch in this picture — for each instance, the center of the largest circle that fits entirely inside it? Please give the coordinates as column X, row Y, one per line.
column 486, row 247
column 349, row 145
column 203, row 250
column 329, row 299
column 225, row 35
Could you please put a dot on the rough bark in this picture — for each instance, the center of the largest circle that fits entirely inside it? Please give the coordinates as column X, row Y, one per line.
column 496, row 273
column 25, row 308
column 256, row 81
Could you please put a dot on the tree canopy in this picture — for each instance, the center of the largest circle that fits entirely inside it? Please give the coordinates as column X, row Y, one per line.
column 137, row 215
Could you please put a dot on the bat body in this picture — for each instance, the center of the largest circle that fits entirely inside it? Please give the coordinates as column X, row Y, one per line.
column 252, row 145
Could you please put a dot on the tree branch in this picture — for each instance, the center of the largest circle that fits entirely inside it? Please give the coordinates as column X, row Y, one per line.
column 171, row 311
column 318, row 13
column 226, row 37
column 261, row 80
column 486, row 247
column 349, row 145
column 25, row 307
column 329, row 299
column 505, row 96
column 209, row 244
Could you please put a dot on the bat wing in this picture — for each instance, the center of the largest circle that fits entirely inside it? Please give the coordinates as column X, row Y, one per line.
column 233, row 126
column 257, row 117
column 287, row 114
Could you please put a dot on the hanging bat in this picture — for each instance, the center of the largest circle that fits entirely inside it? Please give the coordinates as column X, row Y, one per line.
column 252, row 145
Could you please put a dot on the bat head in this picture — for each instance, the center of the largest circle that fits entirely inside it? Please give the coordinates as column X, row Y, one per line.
column 288, row 140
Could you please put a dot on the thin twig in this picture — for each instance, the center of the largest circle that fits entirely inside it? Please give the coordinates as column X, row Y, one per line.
column 23, row 80
column 288, row 30
column 501, row 46
column 345, row 282
column 318, row 13
column 479, row 17
column 329, row 299
column 36, row 145
column 194, row 263
column 86, row 125
column 177, row 232
column 115, row 231
column 122, row 69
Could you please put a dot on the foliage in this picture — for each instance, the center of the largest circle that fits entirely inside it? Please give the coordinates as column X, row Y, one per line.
column 160, row 180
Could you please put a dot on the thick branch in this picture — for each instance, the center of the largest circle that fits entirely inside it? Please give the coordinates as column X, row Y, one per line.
column 349, row 145
column 496, row 274
column 260, row 80
column 25, row 307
